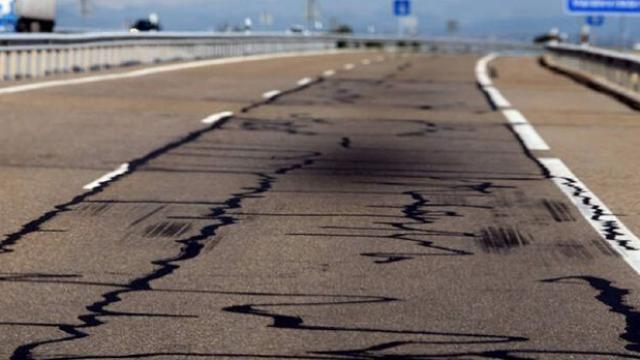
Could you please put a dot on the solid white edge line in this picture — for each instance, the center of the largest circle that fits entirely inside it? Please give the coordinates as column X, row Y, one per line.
column 496, row 97
column 155, row 70
column 329, row 73
column 597, row 214
column 123, row 169
column 271, row 94
column 515, row 117
column 304, row 82
column 349, row 67
column 217, row 117
column 482, row 70
column 530, row 137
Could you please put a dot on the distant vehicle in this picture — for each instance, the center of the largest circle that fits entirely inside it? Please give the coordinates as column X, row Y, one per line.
column 296, row 29
column 551, row 36
column 150, row 24
column 27, row 15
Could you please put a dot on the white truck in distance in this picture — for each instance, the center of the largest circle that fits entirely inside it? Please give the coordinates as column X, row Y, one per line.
column 27, row 15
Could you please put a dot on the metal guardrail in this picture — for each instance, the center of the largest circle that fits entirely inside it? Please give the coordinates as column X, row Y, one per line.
column 37, row 55
column 618, row 68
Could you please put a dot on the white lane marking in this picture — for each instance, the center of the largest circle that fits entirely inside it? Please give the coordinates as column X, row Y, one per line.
column 530, row 137
column 304, row 82
column 366, row 62
column 597, row 214
column 271, row 94
column 217, row 117
column 349, row 67
column 123, row 169
column 481, row 70
column 496, row 97
column 609, row 226
column 154, row 71
column 329, row 73
column 515, row 116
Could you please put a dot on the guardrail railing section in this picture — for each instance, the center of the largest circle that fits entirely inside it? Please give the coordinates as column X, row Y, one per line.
column 619, row 68
column 29, row 61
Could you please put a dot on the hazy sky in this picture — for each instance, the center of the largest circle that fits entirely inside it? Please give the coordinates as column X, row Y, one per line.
column 502, row 18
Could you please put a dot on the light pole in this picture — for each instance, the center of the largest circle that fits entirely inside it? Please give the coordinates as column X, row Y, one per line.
column 311, row 14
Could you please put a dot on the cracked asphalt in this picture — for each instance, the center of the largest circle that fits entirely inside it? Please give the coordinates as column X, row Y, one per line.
column 387, row 212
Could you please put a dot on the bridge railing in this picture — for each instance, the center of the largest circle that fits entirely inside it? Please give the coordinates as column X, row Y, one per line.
column 32, row 56
column 609, row 68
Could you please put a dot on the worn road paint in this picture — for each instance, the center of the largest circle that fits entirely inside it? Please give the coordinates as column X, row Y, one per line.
column 603, row 220
column 304, row 82
column 217, row 117
column 271, row 94
column 329, row 73
column 123, row 169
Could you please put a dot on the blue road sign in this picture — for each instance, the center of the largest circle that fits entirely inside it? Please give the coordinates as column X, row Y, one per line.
column 595, row 20
column 402, row 7
column 602, row 7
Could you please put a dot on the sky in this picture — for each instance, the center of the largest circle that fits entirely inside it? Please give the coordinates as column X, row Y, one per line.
column 515, row 19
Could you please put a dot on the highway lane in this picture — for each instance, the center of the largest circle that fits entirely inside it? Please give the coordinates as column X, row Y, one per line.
column 387, row 212
column 54, row 141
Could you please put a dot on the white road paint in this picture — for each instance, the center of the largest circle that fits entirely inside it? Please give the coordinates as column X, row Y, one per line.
column 366, row 62
column 349, row 67
column 217, row 117
column 271, row 94
column 609, row 226
column 527, row 133
column 329, row 73
column 498, row 100
column 515, row 117
column 530, row 137
column 123, row 169
column 153, row 71
column 304, row 82
column 596, row 213
column 482, row 73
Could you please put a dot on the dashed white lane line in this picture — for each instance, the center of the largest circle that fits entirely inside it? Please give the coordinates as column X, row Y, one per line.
column 304, row 82
column 596, row 213
column 601, row 218
column 496, row 97
column 217, row 117
column 515, row 117
column 329, row 73
column 123, row 169
column 152, row 71
column 530, row 137
column 349, row 67
column 271, row 94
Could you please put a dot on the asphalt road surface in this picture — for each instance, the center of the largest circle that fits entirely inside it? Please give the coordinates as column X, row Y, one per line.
column 387, row 212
